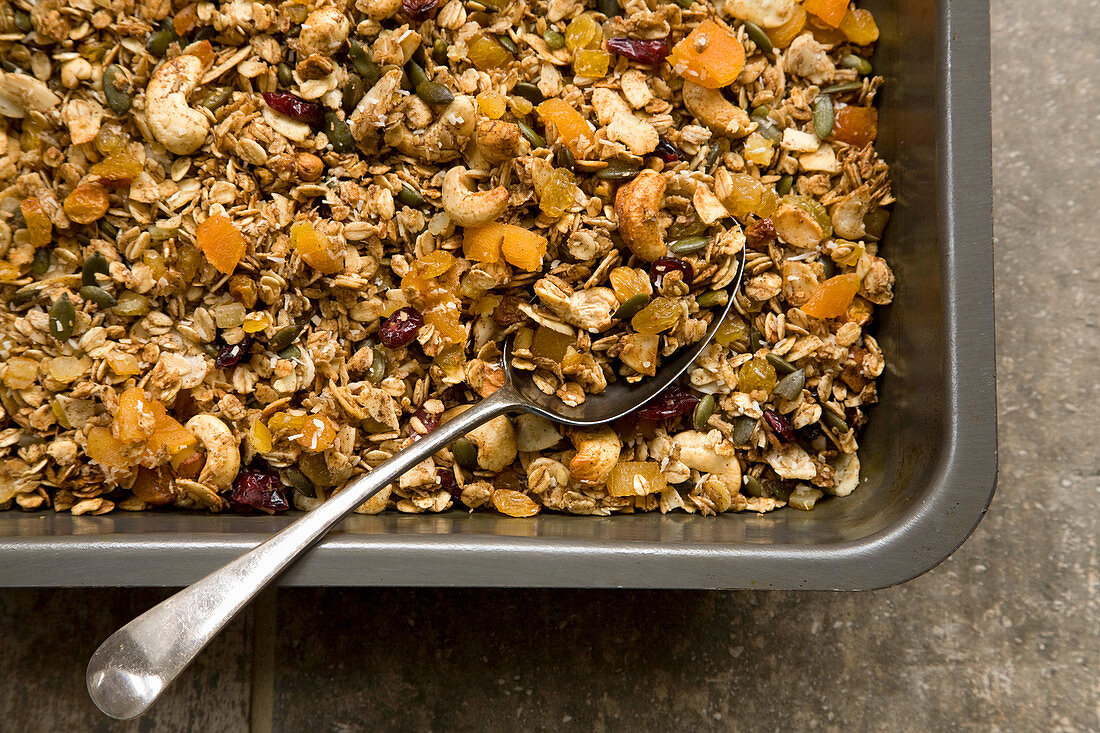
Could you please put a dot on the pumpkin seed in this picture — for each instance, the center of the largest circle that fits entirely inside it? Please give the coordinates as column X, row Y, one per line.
column 754, row 488
column 338, row 133
column 159, row 41
column 759, row 37
column 94, row 265
column 119, row 100
column 353, row 92
column 712, row 155
column 409, row 197
column 377, row 370
column 41, row 263
column 299, row 481
column 790, row 386
column 132, row 305
column 284, row 74
column 532, row 137
column 781, row 364
column 688, row 244
column 554, row 39
column 767, row 129
column 25, row 295
column 23, row 21
column 439, row 52
column 62, row 318
column 743, row 428
column 823, row 116
column 107, row 229
column 465, row 453
column 434, row 93
column 284, row 337
column 848, row 86
column 631, row 306
column 685, row 4
column 608, row 7
column 618, row 170
column 860, row 64
column 713, row 298
column 833, row 420
column 98, row 295
column 754, row 339
column 784, row 186
column 363, row 64
column 216, row 98
column 508, row 43
column 291, row 353
column 761, row 111
column 528, row 91
column 563, row 156
column 703, row 411
column 415, row 74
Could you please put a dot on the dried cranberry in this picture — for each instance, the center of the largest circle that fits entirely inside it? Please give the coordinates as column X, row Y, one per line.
column 429, row 420
column 256, row 489
column 644, row 52
column 780, row 425
column 231, row 354
column 668, row 152
column 448, row 481
column 672, row 402
column 761, row 233
column 400, row 328
column 295, row 107
column 809, row 433
column 664, row 265
column 419, row 9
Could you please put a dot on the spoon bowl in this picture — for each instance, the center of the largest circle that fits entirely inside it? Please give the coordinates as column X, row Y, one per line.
column 130, row 670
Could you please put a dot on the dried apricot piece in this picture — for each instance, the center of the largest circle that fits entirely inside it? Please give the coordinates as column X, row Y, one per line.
column 220, row 241
column 316, row 249
column 831, row 298
column 445, row 318
column 859, row 27
column 136, row 416
column 482, row 244
column 831, row 12
column 39, row 226
column 782, row 36
column 107, row 450
column 573, row 129
column 711, row 56
column 523, row 249
column 636, row 478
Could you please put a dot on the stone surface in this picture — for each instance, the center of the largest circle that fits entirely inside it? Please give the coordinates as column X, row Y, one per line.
column 1002, row 636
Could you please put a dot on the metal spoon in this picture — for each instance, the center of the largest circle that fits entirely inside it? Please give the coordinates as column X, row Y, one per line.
column 132, row 668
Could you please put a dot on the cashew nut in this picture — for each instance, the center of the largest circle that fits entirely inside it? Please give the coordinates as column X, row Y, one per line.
column 497, row 140
column 848, row 213
column 496, row 443
column 791, row 462
column 175, row 125
column 637, row 205
column 324, row 31
column 797, row 227
column 709, row 453
column 20, row 93
column 590, row 309
column 466, row 205
column 545, row 474
column 444, row 139
column 223, row 455
column 807, row 58
column 622, row 124
column 597, row 453
column 715, row 111
column 845, row 474
column 378, row 9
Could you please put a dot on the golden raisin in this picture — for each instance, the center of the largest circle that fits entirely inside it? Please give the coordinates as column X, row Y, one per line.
column 627, row 282
column 556, row 193
column 39, row 226
column 491, row 103
column 659, row 316
column 592, row 63
column 583, row 32
column 487, row 53
column 831, row 298
column 87, row 203
column 757, row 373
column 514, row 503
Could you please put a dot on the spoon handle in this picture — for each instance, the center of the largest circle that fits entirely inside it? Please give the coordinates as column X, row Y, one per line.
column 132, row 668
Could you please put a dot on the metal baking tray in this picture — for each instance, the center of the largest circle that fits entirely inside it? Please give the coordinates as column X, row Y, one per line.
column 929, row 453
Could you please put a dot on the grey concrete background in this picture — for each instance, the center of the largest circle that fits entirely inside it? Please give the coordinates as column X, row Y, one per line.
column 1003, row 636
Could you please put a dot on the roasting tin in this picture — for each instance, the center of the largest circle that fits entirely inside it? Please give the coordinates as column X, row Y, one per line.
column 928, row 454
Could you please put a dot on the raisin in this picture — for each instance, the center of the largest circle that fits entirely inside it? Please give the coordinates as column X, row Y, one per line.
column 255, row 489
column 419, row 9
column 295, row 108
column 664, row 265
column 231, row 354
column 448, row 481
column 760, row 233
column 507, row 312
column 668, row 152
column 672, row 402
column 400, row 328
column 648, row 52
column 780, row 425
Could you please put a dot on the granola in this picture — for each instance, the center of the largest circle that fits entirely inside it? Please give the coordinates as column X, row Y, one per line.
column 250, row 250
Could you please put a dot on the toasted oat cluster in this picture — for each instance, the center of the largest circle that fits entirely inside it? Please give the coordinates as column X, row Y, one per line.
column 249, row 250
